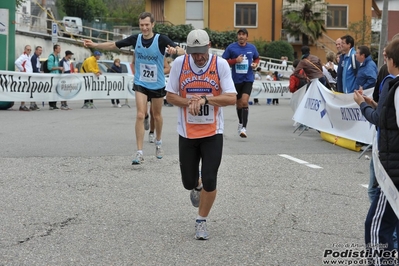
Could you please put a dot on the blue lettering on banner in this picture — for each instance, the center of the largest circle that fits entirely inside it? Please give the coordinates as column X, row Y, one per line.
column 312, row 104
column 352, row 114
column 323, row 113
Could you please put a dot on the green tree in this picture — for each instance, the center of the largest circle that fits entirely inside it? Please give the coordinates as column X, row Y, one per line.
column 85, row 9
column 361, row 31
column 261, row 45
column 176, row 33
column 278, row 49
column 222, row 39
column 124, row 12
column 305, row 18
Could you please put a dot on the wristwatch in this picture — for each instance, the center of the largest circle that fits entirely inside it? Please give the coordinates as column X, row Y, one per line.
column 206, row 100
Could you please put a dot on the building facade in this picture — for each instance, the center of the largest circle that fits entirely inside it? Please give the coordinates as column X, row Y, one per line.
column 263, row 19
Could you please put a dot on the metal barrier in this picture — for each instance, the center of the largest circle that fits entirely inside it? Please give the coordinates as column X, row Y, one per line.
column 42, row 24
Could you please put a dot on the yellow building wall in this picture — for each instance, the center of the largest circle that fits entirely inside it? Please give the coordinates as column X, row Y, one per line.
column 175, row 11
column 221, row 18
column 357, row 9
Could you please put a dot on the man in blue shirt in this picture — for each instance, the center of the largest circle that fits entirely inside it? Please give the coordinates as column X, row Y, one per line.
column 348, row 66
column 243, row 58
column 149, row 78
column 367, row 73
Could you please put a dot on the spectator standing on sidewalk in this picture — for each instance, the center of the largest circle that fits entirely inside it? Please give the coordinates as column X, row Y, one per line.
column 115, row 68
column 24, row 64
column 90, row 65
column 66, row 64
column 36, row 65
column 53, row 62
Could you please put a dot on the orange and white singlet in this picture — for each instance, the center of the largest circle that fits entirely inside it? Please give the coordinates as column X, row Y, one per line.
column 210, row 119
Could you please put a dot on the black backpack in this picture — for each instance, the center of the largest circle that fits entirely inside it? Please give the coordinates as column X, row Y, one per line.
column 45, row 66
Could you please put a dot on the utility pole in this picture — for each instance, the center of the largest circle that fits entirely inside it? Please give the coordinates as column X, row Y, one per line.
column 383, row 34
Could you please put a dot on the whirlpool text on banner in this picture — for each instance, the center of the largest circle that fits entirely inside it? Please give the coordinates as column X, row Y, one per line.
column 19, row 86
column 336, row 114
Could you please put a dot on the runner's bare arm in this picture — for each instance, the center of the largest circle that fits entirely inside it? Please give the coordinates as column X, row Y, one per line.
column 221, row 100
column 103, row 46
column 177, row 100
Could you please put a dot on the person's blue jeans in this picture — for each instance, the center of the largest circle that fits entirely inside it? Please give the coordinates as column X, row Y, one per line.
column 373, row 186
column 269, row 101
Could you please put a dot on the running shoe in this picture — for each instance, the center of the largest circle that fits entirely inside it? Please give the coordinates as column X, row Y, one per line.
column 195, row 197
column 151, row 137
column 239, row 128
column 158, row 151
column 243, row 132
column 138, row 159
column 201, row 232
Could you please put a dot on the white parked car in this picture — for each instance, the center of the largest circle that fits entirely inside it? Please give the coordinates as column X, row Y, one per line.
column 73, row 25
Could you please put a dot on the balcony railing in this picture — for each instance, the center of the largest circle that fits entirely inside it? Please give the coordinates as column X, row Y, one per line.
column 291, row 39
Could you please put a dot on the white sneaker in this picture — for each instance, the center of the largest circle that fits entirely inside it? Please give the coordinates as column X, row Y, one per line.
column 243, row 132
column 151, row 138
column 138, row 159
column 158, row 151
column 239, row 129
column 115, row 105
column 201, row 231
column 119, row 105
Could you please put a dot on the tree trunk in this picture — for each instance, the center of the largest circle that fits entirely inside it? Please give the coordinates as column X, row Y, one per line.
column 305, row 40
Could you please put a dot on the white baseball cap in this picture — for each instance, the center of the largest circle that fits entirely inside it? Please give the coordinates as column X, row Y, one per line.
column 197, row 42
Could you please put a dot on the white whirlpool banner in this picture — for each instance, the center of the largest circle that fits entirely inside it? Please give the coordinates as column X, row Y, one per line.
column 336, row 114
column 20, row 86
column 271, row 89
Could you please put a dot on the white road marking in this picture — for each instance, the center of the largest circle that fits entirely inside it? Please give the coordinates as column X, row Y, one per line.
column 314, row 166
column 300, row 161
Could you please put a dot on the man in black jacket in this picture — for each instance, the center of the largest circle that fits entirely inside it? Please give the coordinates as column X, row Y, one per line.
column 381, row 219
column 35, row 60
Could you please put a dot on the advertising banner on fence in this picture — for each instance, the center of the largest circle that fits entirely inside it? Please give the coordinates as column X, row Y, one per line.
column 336, row 114
column 20, row 86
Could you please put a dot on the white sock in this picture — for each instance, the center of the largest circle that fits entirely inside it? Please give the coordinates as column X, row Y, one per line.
column 158, row 142
column 140, row 151
column 201, row 218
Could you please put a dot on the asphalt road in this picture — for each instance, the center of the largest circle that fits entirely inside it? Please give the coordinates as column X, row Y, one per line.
column 70, row 196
